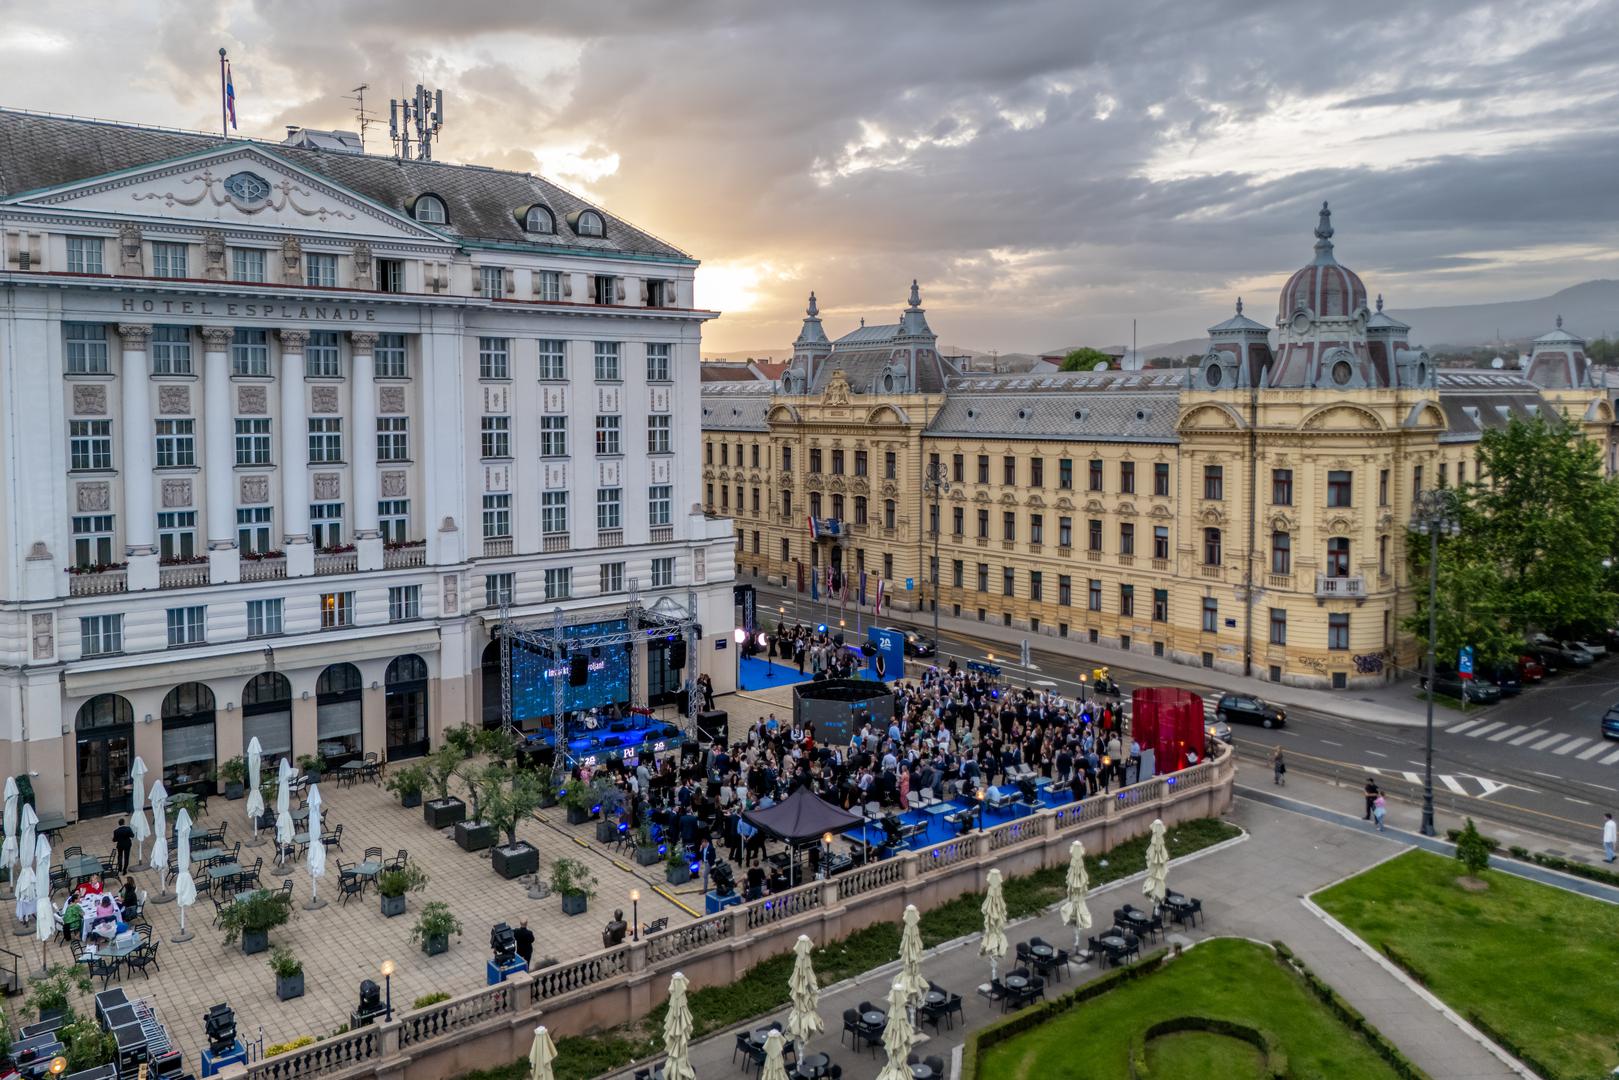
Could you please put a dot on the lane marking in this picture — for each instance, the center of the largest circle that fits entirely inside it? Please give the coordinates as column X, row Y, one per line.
column 1451, row 783
column 1491, row 726
column 1595, row 749
column 1547, row 775
column 1610, row 759
column 1490, row 787
column 1463, row 726
column 1550, row 741
column 1329, row 742
column 1566, row 747
column 1411, row 778
column 1532, row 733
column 1374, row 753
column 1506, row 732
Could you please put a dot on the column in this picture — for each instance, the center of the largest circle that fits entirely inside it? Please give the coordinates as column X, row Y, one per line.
column 362, row 379
column 140, row 521
column 219, row 457
column 295, row 456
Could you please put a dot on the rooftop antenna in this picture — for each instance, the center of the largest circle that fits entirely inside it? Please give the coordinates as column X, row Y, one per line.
column 421, row 115
column 358, row 97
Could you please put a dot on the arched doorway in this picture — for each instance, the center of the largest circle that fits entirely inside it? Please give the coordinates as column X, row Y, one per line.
column 267, row 717
column 188, row 739
column 338, row 715
column 106, row 737
column 405, row 707
column 489, row 675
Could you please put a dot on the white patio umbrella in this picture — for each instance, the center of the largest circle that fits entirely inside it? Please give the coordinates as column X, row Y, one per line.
column 1074, row 910
column 897, row 1035
column 1157, row 880
column 541, row 1055
column 45, row 923
column 185, row 889
column 8, row 852
column 775, row 1068
column 803, row 1022
column 160, row 845
column 255, row 797
column 910, row 959
column 27, row 883
column 317, row 852
column 993, row 943
column 677, row 1026
column 137, row 816
column 283, row 811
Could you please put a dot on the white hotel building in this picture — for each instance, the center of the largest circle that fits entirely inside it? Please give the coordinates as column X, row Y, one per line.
column 281, row 426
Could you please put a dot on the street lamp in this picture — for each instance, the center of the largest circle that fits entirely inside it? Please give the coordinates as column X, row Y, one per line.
column 936, row 484
column 980, row 807
column 388, row 988
column 635, row 914
column 1434, row 512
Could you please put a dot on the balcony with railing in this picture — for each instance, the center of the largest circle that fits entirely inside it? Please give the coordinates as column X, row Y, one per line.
column 495, row 547
column 187, row 575
column 264, row 568
column 336, row 562
column 611, row 538
column 1212, row 570
column 1329, row 587
column 662, row 534
column 554, row 542
column 97, row 582
column 405, row 556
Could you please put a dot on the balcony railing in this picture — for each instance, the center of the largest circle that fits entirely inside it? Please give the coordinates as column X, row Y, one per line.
column 1329, row 587
column 337, row 562
column 495, row 547
column 611, row 538
column 1160, row 564
column 404, row 558
column 268, row 569
column 188, row 576
column 1215, row 571
column 662, row 534
column 553, row 542
column 1127, row 560
column 1093, row 554
column 100, row 583
column 1281, row 581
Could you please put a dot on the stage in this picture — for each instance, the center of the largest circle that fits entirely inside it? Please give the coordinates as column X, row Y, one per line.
column 755, row 673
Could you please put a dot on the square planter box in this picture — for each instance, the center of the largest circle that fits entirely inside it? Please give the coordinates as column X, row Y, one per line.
column 677, row 875
column 410, row 800
column 474, row 835
column 393, row 905
column 434, row 945
column 235, row 791
column 574, row 903
column 254, row 942
column 578, row 815
column 442, row 813
column 646, row 856
column 289, row 986
column 606, row 831
column 514, row 862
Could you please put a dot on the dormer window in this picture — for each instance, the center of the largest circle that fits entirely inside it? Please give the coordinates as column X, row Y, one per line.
column 429, row 210
column 539, row 220
column 590, row 224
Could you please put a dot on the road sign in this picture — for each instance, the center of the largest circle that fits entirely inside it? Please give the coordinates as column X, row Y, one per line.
column 1464, row 662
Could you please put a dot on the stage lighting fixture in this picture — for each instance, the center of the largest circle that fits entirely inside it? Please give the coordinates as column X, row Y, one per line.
column 502, row 942
column 724, row 879
column 219, row 1025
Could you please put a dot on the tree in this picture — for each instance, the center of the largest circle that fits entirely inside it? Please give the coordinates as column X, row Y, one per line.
column 1472, row 850
column 1085, row 359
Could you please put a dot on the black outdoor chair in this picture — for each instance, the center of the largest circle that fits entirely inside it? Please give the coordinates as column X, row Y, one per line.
column 1185, row 912
column 71, row 851
column 104, row 969
column 142, row 958
column 286, row 887
column 333, row 838
column 350, row 885
column 851, row 1027
column 744, row 1046
column 936, row 1014
column 935, row 1063
column 398, row 861
column 372, row 854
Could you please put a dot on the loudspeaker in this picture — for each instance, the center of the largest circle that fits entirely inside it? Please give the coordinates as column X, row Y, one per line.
column 712, row 725
column 677, row 653
column 578, row 669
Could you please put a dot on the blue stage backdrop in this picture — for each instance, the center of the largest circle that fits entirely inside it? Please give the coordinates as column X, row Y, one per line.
column 889, row 663
column 532, row 693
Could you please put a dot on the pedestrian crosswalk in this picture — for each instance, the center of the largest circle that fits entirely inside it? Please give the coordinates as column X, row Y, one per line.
column 1556, row 743
column 1455, row 783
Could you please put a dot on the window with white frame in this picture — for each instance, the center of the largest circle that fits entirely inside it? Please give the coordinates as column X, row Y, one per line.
column 253, row 529
column 657, row 362
column 553, row 360
column 86, row 348
column 171, row 350
column 176, row 443
column 429, row 209
column 660, row 504
column 553, row 436
column 264, row 617
column 320, row 269
column 663, row 572
column 609, row 508
column 550, row 282
column 558, row 583
column 325, row 439
column 393, row 520
column 607, row 369
column 590, row 224
column 177, row 534
column 553, row 512
column 250, row 352
column 253, row 440
column 326, row 524
column 393, row 438
column 498, row 589
column 494, row 358
column 388, row 356
column 246, row 264
column 497, row 516
column 607, row 431
column 491, row 281
column 606, row 289
column 84, row 254
column 321, row 357
column 404, row 603
column 612, row 577
column 92, row 540
column 336, row 610
column 658, row 292
column 539, row 220
column 89, row 445
column 101, row 634
column 168, row 260
column 497, row 436
column 187, row 625
column 658, row 434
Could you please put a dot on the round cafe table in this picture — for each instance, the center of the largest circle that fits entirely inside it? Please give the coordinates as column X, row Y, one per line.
column 813, row 1066
column 760, row 1035
column 875, row 1018
column 1044, row 952
column 934, row 997
column 921, row 1071
column 1016, row 982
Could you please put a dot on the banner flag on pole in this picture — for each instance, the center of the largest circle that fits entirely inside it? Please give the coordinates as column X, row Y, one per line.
column 862, row 588
column 877, row 605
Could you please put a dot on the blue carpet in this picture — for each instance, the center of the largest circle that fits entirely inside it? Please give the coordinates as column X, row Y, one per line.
column 757, row 674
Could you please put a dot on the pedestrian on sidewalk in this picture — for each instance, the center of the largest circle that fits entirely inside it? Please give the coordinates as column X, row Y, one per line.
column 1610, row 834
column 1278, row 767
column 1371, row 796
column 1379, row 810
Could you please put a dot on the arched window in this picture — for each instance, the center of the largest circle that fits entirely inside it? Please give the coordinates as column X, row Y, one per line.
column 104, row 711
column 338, row 714
column 429, row 210
column 267, row 717
column 405, row 707
column 188, row 739
column 539, row 220
column 104, row 754
column 590, row 224
column 489, row 671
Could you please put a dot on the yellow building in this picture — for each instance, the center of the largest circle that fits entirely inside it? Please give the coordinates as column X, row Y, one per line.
column 1248, row 515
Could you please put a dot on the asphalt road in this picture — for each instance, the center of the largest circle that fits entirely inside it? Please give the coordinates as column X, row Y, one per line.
column 1537, row 760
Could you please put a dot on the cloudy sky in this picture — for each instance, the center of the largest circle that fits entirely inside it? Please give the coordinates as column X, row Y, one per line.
column 1049, row 170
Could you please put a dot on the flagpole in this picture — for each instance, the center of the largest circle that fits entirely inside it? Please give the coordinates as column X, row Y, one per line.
column 224, row 118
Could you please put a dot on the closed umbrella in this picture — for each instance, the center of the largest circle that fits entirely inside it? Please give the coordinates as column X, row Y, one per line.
column 185, row 889
column 542, row 1055
column 1157, row 881
column 1074, row 910
column 27, row 883
column 317, row 852
column 255, row 797
column 775, row 1068
column 8, row 852
column 677, row 1032
column 993, row 943
column 137, row 816
column 283, row 811
column 45, row 924
column 803, row 1022
column 897, row 1035
column 910, row 958
column 160, row 846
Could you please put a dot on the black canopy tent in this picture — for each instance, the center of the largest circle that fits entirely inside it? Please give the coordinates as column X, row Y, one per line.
column 801, row 819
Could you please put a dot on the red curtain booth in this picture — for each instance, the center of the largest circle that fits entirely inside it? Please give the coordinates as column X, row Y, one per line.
column 1169, row 721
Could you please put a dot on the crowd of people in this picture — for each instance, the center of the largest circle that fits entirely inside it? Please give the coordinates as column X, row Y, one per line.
column 816, row 652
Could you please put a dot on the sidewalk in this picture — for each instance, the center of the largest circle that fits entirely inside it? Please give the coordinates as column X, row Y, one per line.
column 1395, row 704
column 1250, row 889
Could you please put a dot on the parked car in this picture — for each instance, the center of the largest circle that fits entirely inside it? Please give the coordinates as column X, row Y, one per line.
column 1506, row 677
column 1451, row 684
column 1247, row 709
column 1550, row 662
column 1219, row 729
column 1610, row 723
column 1530, row 669
column 1572, row 655
column 915, row 644
column 1590, row 644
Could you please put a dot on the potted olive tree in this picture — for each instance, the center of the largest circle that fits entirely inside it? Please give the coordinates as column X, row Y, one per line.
column 677, row 865
column 52, row 994
column 506, row 805
column 392, row 885
column 444, row 809
column 476, row 833
column 408, row 783
column 434, row 926
column 646, row 847
column 574, row 883
column 252, row 918
column 577, row 799
column 233, row 774
column 289, row 973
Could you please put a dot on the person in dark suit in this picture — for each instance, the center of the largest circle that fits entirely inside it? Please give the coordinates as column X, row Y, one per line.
column 525, row 942
column 123, row 837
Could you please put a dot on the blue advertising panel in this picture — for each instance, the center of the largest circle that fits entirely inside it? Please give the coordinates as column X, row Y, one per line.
column 609, row 682
column 1464, row 662
column 889, row 662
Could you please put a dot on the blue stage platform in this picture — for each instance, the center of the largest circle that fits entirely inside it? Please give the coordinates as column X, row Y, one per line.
column 939, row 830
column 757, row 674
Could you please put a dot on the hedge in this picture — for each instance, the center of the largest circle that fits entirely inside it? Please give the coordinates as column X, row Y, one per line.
column 1567, row 866
column 1351, row 1016
column 1261, row 1040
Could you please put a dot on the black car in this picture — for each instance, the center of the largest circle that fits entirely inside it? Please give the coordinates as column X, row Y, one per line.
column 1247, row 709
column 915, row 644
column 1505, row 676
column 1448, row 682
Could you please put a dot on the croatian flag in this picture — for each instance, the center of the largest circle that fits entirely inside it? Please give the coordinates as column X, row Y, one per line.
column 862, row 588
column 230, row 96
column 877, row 604
column 814, row 528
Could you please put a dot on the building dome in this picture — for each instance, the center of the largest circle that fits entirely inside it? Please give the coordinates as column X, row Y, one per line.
column 1324, row 289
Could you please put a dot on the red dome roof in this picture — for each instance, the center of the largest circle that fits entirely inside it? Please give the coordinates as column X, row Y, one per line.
column 1324, row 287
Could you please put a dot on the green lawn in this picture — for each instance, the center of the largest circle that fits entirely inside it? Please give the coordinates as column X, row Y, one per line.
column 1226, row 979
column 1535, row 963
